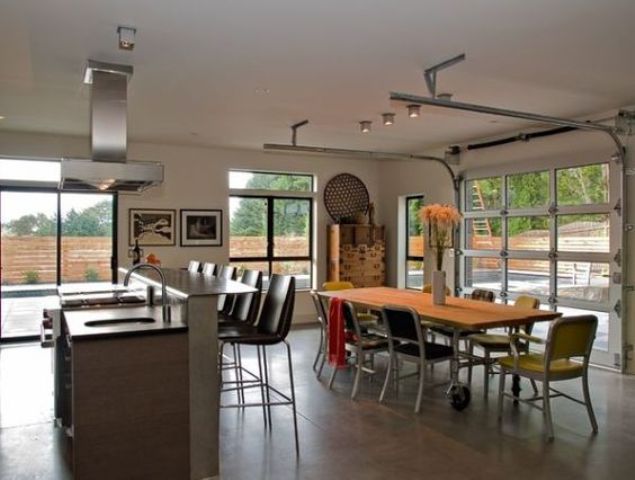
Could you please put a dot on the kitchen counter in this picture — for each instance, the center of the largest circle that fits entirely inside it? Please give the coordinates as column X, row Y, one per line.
column 78, row 330
column 184, row 284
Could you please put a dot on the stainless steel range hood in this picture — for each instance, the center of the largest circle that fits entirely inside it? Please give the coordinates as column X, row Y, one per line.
column 108, row 169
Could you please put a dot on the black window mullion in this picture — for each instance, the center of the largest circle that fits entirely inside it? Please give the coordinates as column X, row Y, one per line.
column 58, row 241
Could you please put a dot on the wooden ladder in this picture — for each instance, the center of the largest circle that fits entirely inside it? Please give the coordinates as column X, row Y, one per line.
column 481, row 228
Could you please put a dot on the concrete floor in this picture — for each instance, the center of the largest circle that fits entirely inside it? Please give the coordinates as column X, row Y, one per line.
column 340, row 438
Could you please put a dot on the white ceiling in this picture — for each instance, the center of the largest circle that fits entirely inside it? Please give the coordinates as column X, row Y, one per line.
column 201, row 66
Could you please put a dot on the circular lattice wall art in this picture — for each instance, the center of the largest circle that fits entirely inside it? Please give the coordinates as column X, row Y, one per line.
column 345, row 195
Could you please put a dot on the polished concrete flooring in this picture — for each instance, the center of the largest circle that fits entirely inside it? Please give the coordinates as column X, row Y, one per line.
column 362, row 439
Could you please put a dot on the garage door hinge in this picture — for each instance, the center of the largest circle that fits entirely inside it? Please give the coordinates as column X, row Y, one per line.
column 618, row 308
column 617, row 258
column 618, row 207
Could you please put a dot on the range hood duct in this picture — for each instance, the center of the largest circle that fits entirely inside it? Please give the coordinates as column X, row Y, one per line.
column 108, row 169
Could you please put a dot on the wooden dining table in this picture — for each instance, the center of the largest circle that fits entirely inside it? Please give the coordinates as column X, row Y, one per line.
column 457, row 314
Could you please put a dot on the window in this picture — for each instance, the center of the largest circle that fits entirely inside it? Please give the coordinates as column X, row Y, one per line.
column 285, row 182
column 272, row 232
column 30, row 171
column 543, row 233
column 414, row 242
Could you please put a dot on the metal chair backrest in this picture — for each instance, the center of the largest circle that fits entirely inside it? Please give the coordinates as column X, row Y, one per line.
column 193, row 266
column 225, row 302
column 246, row 305
column 402, row 324
column 482, row 295
column 526, row 301
column 571, row 337
column 319, row 309
column 350, row 319
column 333, row 286
column 227, row 272
column 209, row 268
column 277, row 309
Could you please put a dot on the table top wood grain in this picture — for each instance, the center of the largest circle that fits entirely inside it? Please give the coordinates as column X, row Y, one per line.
column 459, row 313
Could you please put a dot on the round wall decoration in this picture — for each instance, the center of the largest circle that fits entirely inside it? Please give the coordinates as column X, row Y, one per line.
column 344, row 196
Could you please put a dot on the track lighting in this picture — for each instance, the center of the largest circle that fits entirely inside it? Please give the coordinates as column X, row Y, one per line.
column 414, row 110
column 364, row 126
column 388, row 118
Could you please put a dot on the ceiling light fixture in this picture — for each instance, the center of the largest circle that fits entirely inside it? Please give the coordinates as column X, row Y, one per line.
column 414, row 111
column 126, row 37
column 388, row 118
column 2, row 118
column 364, row 126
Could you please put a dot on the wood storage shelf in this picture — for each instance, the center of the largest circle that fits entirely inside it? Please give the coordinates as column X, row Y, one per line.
column 357, row 254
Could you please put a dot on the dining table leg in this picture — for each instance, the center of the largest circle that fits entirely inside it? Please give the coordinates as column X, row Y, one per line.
column 516, row 388
column 458, row 393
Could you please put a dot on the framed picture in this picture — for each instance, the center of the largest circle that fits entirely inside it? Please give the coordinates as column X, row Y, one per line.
column 201, row 228
column 152, row 227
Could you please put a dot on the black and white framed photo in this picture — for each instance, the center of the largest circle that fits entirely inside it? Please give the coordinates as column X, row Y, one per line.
column 152, row 227
column 201, row 228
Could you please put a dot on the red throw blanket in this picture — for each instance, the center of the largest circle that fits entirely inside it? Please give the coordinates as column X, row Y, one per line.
column 337, row 334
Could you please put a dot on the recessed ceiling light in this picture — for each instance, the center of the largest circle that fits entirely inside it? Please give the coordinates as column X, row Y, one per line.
column 388, row 118
column 263, row 91
column 2, row 118
column 364, row 126
column 414, row 110
column 126, row 37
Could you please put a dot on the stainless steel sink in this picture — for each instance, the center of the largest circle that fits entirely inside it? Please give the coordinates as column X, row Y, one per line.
column 118, row 321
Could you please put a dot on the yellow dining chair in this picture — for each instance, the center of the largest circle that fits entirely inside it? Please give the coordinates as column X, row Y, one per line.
column 363, row 317
column 568, row 338
column 499, row 343
column 427, row 288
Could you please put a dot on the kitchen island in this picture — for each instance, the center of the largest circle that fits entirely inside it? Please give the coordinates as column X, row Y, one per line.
column 145, row 390
column 198, row 294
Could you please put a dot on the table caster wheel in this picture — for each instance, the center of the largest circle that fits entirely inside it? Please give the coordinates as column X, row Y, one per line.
column 460, row 397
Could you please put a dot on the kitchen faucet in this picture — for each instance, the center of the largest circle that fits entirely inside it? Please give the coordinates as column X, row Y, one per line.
column 164, row 296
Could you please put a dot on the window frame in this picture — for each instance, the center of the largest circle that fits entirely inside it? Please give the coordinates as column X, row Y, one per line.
column 408, row 257
column 270, row 258
column 270, row 172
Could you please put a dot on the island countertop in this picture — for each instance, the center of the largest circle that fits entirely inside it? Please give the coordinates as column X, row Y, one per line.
column 79, row 330
column 184, row 284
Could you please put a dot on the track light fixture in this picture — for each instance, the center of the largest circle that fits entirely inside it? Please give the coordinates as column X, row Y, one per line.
column 388, row 118
column 364, row 126
column 414, row 110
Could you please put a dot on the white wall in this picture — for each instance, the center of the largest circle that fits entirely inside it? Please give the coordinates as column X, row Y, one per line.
column 198, row 178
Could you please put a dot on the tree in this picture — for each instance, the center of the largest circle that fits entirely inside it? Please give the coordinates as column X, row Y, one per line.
column 291, row 217
column 39, row 225
column 95, row 221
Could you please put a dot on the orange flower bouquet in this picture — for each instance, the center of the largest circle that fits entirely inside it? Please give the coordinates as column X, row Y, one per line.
column 441, row 221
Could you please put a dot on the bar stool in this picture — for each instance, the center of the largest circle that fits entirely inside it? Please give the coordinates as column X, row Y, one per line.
column 271, row 329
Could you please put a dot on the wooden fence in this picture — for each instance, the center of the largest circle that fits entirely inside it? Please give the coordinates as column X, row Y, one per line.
column 27, row 259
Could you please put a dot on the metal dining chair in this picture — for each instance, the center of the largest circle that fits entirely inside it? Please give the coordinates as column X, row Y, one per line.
column 406, row 341
column 362, row 345
column 499, row 343
column 568, row 339
column 322, row 317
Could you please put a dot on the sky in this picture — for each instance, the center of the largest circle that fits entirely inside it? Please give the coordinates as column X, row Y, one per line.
column 16, row 204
